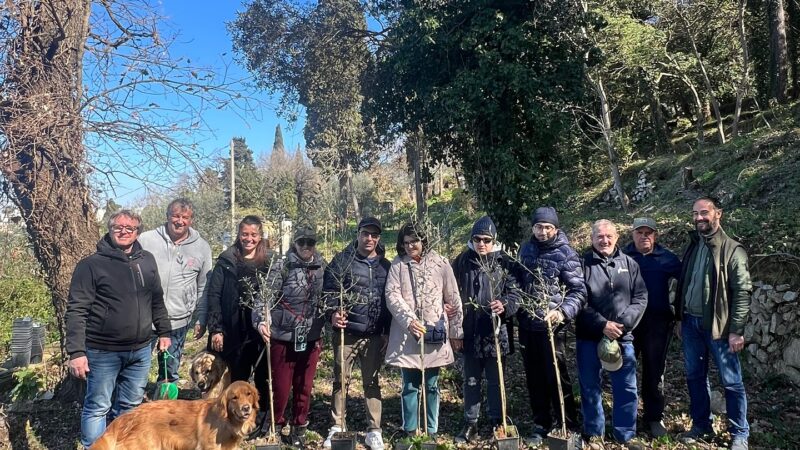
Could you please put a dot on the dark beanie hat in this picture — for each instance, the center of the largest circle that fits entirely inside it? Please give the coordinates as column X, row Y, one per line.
column 545, row 214
column 484, row 227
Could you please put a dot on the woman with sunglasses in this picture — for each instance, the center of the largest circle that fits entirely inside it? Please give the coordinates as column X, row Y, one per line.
column 292, row 322
column 234, row 280
column 419, row 285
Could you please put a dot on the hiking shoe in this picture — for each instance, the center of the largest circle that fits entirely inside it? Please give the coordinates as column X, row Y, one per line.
column 374, row 440
column 331, row 431
column 298, row 436
column 635, row 444
column 694, row 435
column 595, row 443
column 657, row 429
column 739, row 443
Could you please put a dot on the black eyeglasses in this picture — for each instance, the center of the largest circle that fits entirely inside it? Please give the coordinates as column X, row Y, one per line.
column 365, row 233
column 478, row 240
column 305, row 242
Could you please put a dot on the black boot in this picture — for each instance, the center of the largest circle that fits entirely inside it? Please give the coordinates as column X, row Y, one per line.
column 467, row 434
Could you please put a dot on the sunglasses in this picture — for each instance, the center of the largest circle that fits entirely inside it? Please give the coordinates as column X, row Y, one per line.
column 372, row 235
column 120, row 229
column 305, row 242
column 479, row 240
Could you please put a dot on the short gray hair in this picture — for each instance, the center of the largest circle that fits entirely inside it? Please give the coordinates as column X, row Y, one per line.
column 603, row 223
column 127, row 213
column 183, row 202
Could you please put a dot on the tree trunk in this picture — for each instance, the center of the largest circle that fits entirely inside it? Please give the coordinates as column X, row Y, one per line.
column 415, row 154
column 352, row 191
column 778, row 50
column 660, row 128
column 44, row 161
column 608, row 136
column 706, row 80
column 744, row 82
column 792, row 24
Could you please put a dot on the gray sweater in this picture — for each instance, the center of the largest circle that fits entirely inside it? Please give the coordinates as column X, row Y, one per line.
column 184, row 270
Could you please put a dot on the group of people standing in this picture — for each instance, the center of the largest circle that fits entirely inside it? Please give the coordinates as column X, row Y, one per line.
column 418, row 313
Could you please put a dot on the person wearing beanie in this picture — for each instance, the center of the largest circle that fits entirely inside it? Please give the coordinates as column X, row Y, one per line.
column 489, row 292
column 548, row 264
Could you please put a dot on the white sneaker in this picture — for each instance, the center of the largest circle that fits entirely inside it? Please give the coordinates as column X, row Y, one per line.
column 374, row 440
column 333, row 430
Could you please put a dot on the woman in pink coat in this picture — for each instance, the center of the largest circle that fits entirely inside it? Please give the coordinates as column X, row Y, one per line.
column 419, row 285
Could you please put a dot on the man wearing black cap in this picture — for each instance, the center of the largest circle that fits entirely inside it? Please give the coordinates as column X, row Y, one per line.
column 489, row 295
column 548, row 263
column 651, row 338
column 358, row 274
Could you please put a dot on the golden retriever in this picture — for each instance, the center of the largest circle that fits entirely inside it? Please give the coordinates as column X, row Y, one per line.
column 211, row 424
column 210, row 374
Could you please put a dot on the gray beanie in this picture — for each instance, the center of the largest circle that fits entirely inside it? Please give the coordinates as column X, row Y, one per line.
column 545, row 214
column 484, row 227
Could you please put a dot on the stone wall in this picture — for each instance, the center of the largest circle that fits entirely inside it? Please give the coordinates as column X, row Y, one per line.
column 772, row 334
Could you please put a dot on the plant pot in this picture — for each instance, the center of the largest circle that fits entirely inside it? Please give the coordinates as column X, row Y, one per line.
column 557, row 441
column 269, row 445
column 343, row 440
column 430, row 445
column 507, row 439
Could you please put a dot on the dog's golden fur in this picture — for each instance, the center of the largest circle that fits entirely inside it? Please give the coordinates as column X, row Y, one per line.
column 210, row 374
column 212, row 424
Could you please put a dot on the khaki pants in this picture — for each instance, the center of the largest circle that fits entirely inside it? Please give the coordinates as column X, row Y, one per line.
column 370, row 353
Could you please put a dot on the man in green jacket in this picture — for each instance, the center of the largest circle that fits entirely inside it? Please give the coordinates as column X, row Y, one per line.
column 711, row 305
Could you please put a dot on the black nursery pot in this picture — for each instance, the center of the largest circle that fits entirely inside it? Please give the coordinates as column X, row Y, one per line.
column 431, row 445
column 557, row 441
column 508, row 440
column 343, row 440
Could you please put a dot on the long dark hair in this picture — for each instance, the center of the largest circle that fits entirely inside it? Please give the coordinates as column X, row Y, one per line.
column 412, row 230
column 262, row 249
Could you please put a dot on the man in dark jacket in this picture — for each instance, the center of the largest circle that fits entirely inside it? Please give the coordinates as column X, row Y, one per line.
column 617, row 298
column 653, row 335
column 712, row 303
column 489, row 293
column 354, row 287
column 549, row 265
column 115, row 298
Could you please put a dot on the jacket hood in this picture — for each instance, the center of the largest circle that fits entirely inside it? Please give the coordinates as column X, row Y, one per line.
column 192, row 237
column 228, row 256
column 106, row 247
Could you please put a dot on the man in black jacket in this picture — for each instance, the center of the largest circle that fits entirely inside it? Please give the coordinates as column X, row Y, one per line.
column 652, row 336
column 616, row 300
column 115, row 298
column 354, row 286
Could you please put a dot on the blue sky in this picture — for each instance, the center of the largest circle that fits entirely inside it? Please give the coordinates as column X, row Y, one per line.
column 202, row 37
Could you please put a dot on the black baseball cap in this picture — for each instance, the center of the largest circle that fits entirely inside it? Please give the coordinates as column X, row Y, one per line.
column 370, row 222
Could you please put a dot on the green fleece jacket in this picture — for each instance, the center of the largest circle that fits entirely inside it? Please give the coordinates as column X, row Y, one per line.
column 726, row 308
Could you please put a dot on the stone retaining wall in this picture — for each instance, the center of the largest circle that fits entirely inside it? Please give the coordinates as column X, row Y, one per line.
column 772, row 334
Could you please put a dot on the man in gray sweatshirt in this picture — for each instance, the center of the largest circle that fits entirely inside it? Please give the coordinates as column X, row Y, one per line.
column 184, row 262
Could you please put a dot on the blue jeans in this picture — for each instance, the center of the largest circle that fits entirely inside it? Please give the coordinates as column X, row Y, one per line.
column 175, row 350
column 124, row 371
column 409, row 400
column 474, row 369
column 697, row 344
column 623, row 389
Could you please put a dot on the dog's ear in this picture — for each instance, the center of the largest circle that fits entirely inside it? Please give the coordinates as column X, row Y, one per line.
column 222, row 402
column 254, row 391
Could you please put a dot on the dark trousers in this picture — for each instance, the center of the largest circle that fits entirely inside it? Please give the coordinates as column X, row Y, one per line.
column 293, row 371
column 651, row 342
column 537, row 356
column 242, row 364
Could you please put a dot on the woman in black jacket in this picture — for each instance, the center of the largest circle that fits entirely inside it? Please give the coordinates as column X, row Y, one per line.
column 290, row 318
column 230, row 300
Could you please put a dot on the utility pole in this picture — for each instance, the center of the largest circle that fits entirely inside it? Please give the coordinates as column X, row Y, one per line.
column 233, row 193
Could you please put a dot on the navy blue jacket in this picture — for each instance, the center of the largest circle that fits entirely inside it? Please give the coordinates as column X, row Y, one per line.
column 559, row 264
column 616, row 292
column 477, row 277
column 352, row 272
column 657, row 268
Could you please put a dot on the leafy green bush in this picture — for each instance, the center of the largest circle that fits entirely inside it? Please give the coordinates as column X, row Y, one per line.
column 28, row 384
column 24, row 297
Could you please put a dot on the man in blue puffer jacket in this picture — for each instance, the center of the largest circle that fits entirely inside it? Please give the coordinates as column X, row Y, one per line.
column 552, row 279
column 359, row 274
column 616, row 300
column 652, row 336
